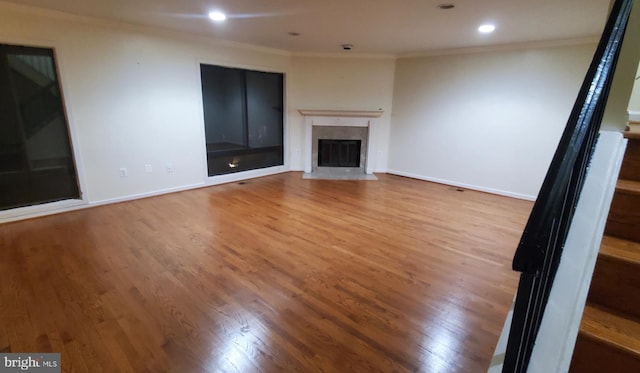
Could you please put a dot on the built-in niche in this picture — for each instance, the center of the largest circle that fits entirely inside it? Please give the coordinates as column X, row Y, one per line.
column 243, row 119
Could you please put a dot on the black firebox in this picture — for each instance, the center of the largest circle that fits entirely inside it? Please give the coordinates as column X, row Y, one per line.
column 339, row 153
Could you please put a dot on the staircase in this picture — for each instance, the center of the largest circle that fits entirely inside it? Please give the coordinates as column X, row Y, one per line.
column 609, row 336
column 39, row 98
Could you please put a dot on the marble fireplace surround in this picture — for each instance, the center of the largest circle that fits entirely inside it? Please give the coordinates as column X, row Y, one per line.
column 339, row 118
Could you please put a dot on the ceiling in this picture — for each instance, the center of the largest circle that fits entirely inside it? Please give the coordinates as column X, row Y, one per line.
column 393, row 27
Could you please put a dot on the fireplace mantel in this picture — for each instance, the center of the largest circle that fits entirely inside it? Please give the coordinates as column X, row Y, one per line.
column 341, row 113
column 341, row 118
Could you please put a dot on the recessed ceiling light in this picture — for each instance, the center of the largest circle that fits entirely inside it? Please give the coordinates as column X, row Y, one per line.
column 488, row 28
column 446, row 6
column 217, row 16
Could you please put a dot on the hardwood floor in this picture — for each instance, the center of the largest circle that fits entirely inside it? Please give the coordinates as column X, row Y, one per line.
column 273, row 274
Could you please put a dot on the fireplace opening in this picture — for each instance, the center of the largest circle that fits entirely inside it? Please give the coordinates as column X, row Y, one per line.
column 339, row 153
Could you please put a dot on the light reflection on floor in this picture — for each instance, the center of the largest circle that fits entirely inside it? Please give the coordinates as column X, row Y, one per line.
column 243, row 342
column 440, row 346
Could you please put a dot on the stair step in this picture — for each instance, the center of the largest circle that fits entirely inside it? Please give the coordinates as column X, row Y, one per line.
column 621, row 249
column 633, row 130
column 607, row 342
column 631, row 163
column 624, row 216
column 611, row 328
column 628, row 186
column 615, row 283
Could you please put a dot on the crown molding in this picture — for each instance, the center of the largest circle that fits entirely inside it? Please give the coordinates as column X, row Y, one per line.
column 140, row 28
column 203, row 38
column 503, row 47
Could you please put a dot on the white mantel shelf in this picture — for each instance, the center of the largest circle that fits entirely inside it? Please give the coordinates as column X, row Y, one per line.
column 341, row 113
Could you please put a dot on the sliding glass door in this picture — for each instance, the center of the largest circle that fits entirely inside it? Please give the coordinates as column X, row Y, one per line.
column 36, row 163
column 243, row 118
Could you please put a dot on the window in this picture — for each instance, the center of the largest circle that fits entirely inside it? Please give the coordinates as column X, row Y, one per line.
column 243, row 119
column 36, row 165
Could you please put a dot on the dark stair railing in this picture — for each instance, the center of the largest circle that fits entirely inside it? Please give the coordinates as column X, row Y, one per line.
column 538, row 254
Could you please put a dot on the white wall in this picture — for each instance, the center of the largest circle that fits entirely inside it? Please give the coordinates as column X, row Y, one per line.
column 326, row 82
column 634, row 101
column 615, row 117
column 133, row 96
column 489, row 121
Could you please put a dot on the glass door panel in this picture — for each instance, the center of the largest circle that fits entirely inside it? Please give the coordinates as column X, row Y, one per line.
column 36, row 162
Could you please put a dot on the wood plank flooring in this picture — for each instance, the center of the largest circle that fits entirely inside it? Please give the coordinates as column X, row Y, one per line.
column 273, row 274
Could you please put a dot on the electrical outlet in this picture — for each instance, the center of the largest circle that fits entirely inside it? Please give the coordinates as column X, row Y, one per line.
column 147, row 168
column 123, row 172
column 169, row 168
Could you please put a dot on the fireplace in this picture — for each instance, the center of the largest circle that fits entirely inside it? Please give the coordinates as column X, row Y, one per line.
column 336, row 140
column 339, row 153
column 339, row 143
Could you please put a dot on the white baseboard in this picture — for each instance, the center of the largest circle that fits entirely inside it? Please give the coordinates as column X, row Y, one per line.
column 35, row 211
column 154, row 193
column 634, row 116
column 72, row 205
column 463, row 185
